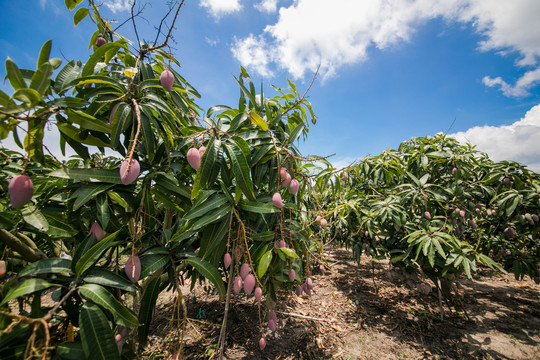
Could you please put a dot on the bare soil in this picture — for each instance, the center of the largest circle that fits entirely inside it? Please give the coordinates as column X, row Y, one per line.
column 356, row 312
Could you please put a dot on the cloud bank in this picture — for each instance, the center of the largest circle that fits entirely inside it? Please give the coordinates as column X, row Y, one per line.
column 515, row 142
column 340, row 32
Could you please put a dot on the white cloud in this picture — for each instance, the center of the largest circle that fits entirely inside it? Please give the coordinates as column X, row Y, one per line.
column 528, row 80
column 340, row 32
column 515, row 142
column 218, row 8
column 507, row 25
column 211, row 42
column 267, row 6
column 252, row 52
column 337, row 33
column 118, row 5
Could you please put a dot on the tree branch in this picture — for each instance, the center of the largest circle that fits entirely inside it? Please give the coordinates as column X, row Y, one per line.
column 27, row 253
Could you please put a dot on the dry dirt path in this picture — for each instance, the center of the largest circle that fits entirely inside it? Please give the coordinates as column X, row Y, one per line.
column 354, row 316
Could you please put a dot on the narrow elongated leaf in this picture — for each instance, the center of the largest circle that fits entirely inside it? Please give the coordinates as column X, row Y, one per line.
column 165, row 199
column 240, row 169
column 288, row 252
column 92, row 255
column 96, row 335
column 5, row 100
column 146, row 311
column 148, row 136
column 100, row 296
column 34, row 217
column 26, row 287
column 44, row 54
column 93, row 175
column 28, row 96
column 47, row 266
column 258, row 207
column 14, row 75
column 97, row 56
column 121, row 121
column 70, row 351
column 246, row 92
column 86, row 193
column 212, row 203
column 264, row 263
column 258, row 120
column 152, row 263
column 510, row 209
column 208, row 162
column 296, row 132
column 65, row 78
column 69, row 102
column 212, row 216
column 41, row 81
column 106, row 277
column 209, row 272
column 86, row 121
column 75, row 134
column 80, row 15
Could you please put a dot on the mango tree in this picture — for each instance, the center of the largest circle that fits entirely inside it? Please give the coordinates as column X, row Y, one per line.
column 221, row 196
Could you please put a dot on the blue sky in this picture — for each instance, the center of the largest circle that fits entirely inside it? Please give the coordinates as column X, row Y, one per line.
column 390, row 70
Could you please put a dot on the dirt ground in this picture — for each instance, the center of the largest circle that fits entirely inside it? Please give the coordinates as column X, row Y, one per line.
column 353, row 315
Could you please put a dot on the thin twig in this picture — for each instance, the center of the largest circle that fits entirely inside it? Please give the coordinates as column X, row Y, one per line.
column 305, row 317
column 221, row 341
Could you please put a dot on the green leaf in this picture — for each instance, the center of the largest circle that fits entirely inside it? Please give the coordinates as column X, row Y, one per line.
column 209, row 162
column 41, row 81
column 148, row 136
column 214, row 202
column 26, row 287
column 66, row 77
column 152, row 263
column 258, row 120
column 212, row 216
column 96, row 334
column 44, row 54
column 92, row 255
column 69, row 102
column 47, row 266
column 100, row 296
column 110, row 176
column 246, row 92
column 288, row 252
column 258, row 207
column 209, row 272
column 80, row 135
column 34, row 217
column 14, row 75
column 70, row 351
column 87, row 192
column 121, row 121
column 5, row 100
column 80, row 15
column 106, row 277
column 510, row 210
column 146, row 311
column 28, row 96
column 264, row 263
column 296, row 132
column 119, row 199
column 97, row 56
column 240, row 169
column 72, row 4
column 86, row 121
